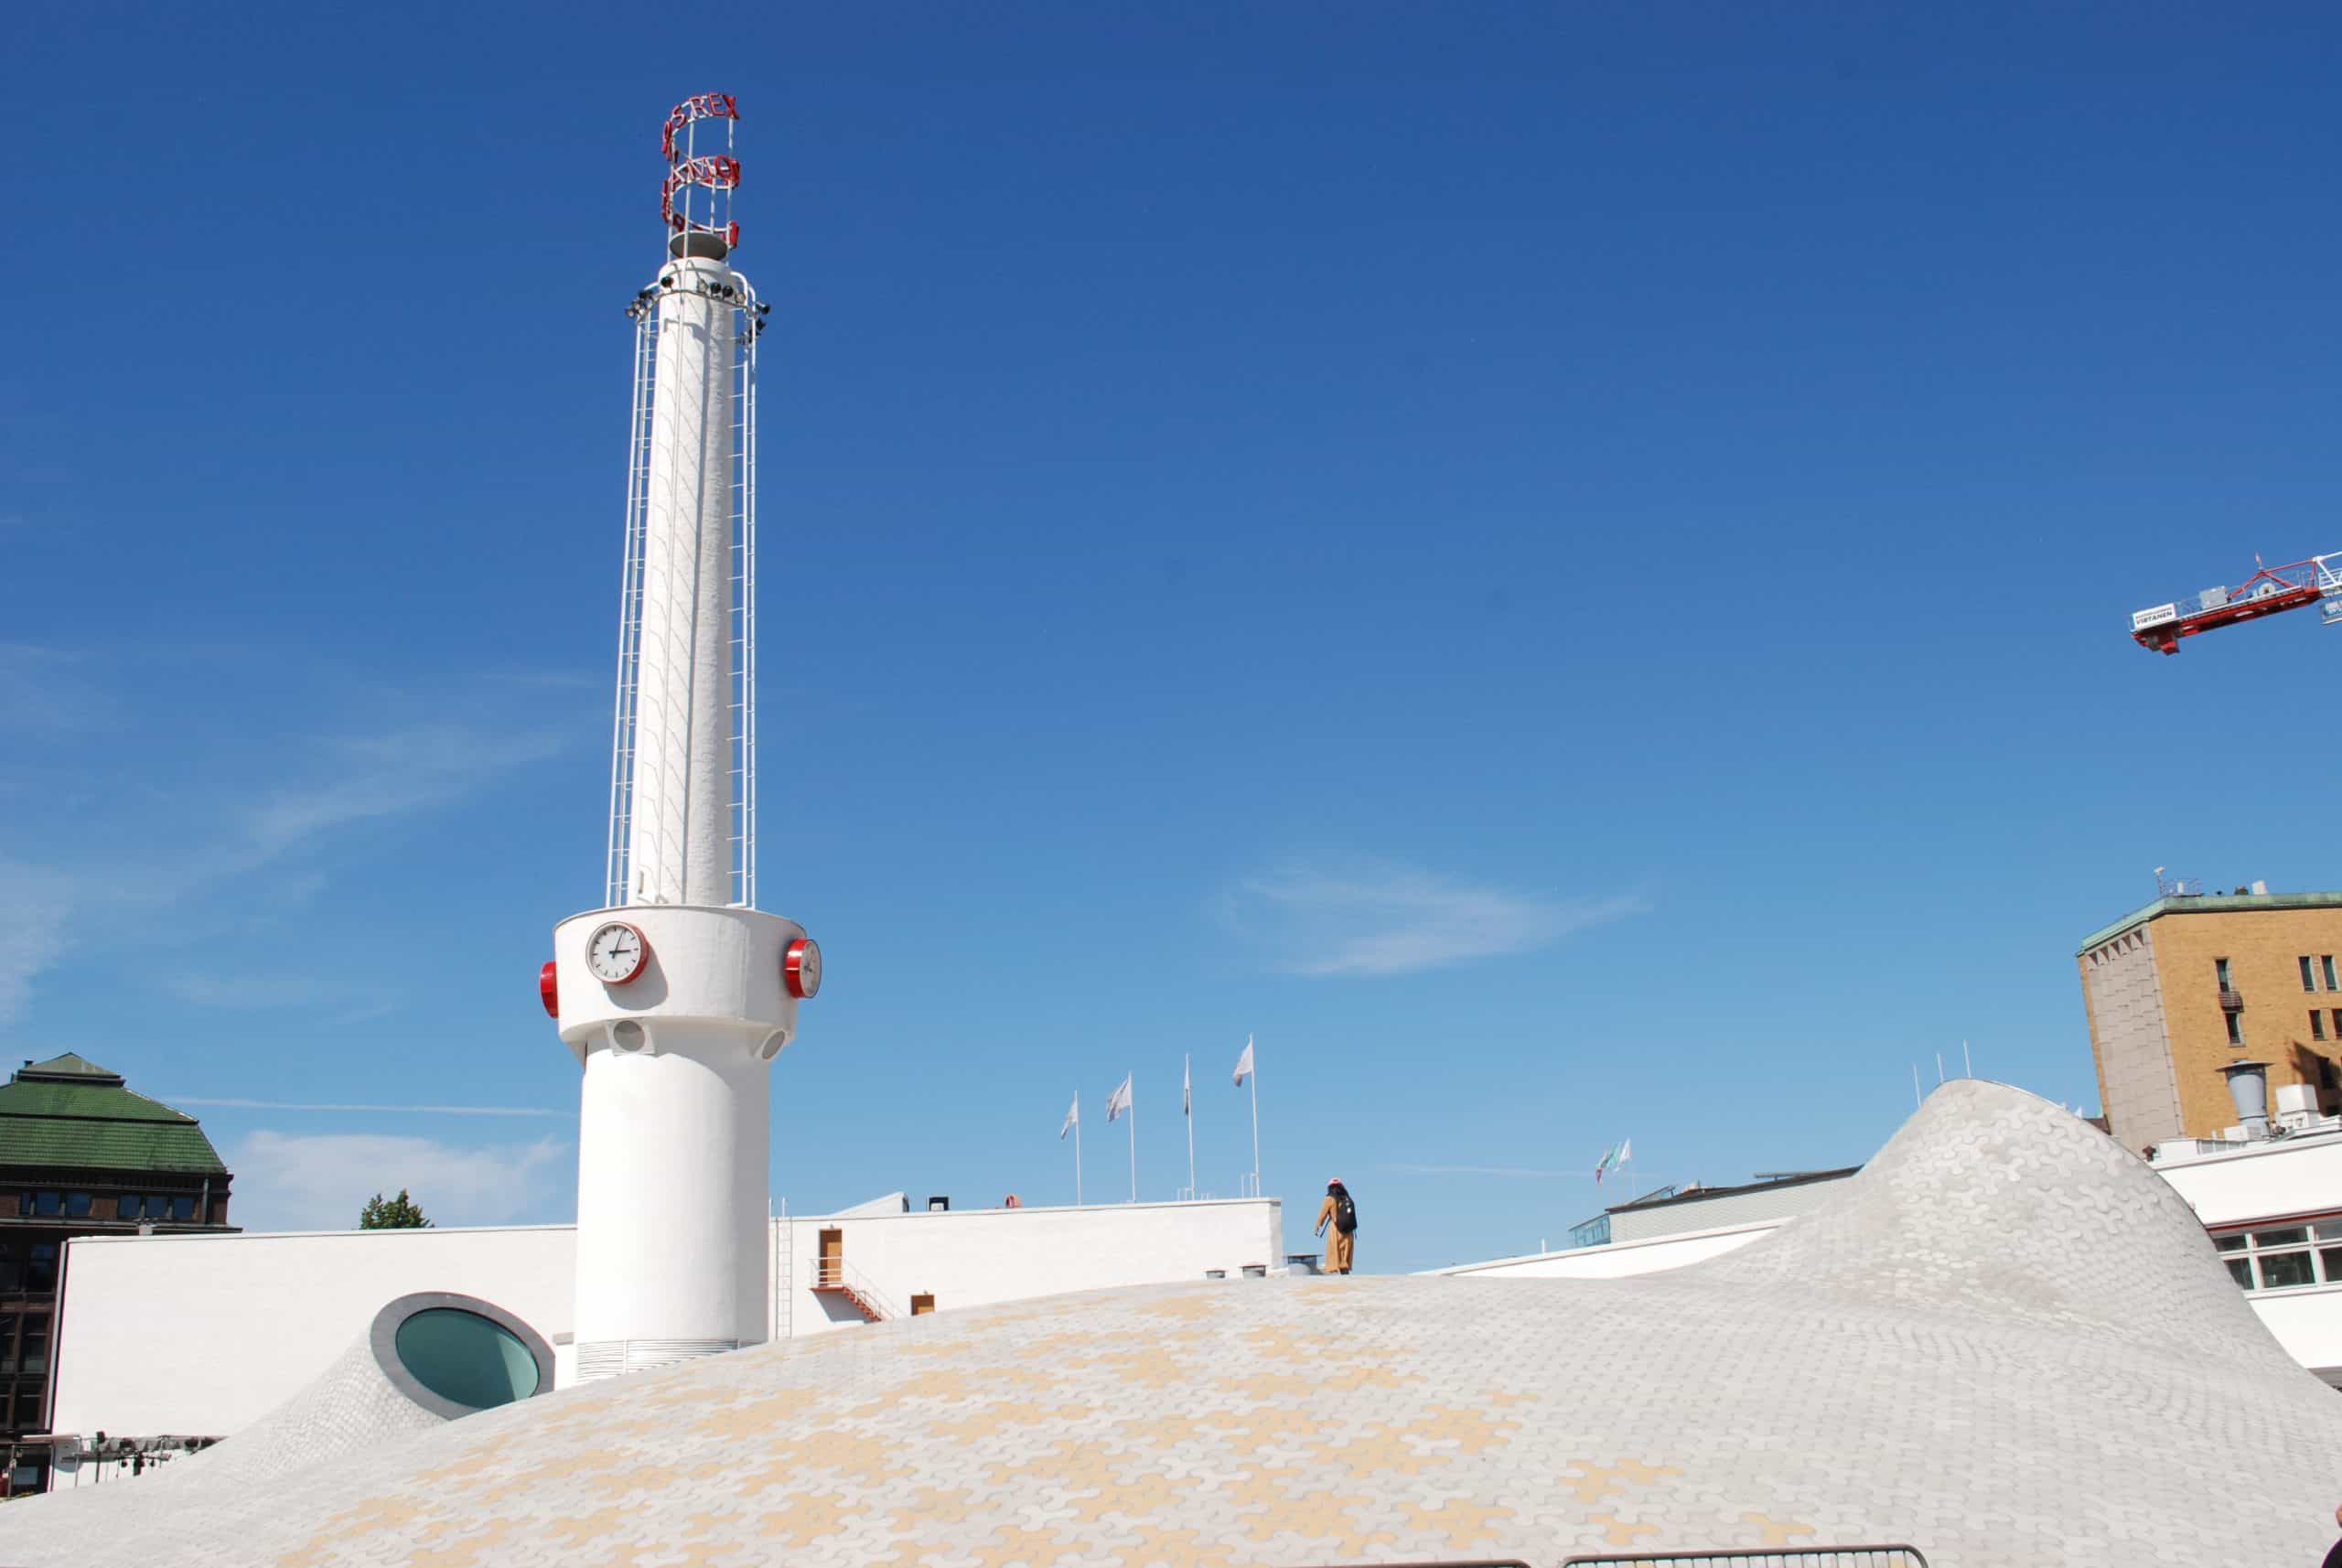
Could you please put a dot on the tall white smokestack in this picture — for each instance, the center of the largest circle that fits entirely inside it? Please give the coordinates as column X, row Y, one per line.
column 677, row 996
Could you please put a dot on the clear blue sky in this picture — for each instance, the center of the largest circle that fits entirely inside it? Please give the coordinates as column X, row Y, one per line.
column 1566, row 567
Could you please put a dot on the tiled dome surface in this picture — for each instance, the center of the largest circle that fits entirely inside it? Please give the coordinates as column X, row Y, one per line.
column 2005, row 1342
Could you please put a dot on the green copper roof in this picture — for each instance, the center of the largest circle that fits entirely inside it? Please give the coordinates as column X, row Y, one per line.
column 69, row 1068
column 73, row 1112
column 2210, row 903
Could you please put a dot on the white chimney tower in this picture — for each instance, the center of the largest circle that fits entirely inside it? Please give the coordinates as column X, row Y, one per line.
column 676, row 997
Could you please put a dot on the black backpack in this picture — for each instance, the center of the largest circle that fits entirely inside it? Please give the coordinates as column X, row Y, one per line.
column 1345, row 1213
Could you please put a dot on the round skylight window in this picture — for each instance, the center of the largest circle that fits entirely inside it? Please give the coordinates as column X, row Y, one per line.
column 457, row 1354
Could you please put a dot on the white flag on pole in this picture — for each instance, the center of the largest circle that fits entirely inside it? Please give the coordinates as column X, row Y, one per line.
column 1187, row 1090
column 1072, row 1117
column 1626, row 1151
column 1120, row 1100
column 1245, row 1063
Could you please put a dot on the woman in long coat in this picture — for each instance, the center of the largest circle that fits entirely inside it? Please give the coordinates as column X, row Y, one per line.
column 1339, row 1243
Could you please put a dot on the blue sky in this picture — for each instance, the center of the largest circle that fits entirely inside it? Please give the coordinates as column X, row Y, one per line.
column 1566, row 568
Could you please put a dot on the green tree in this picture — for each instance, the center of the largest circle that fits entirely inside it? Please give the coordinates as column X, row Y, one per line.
column 400, row 1213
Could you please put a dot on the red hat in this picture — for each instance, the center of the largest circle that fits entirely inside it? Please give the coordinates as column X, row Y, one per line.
column 1335, row 1181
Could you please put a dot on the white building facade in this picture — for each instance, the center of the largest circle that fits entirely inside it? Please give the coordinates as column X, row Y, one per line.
column 2273, row 1206
column 252, row 1318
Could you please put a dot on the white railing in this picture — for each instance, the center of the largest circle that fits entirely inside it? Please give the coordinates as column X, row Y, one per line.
column 832, row 1271
column 645, row 311
column 749, row 323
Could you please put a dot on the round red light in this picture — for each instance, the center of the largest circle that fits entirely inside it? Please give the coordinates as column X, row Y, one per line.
column 549, row 991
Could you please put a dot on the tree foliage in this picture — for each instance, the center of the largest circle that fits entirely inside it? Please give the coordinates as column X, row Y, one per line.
column 400, row 1213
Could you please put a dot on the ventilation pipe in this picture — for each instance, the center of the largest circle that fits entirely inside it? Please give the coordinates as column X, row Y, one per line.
column 2248, row 1087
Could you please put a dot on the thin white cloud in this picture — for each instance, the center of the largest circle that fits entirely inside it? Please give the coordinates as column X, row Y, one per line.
column 295, row 1181
column 33, row 907
column 401, row 1110
column 1386, row 919
column 49, row 689
column 1476, row 1170
column 389, row 775
column 393, row 771
column 253, row 992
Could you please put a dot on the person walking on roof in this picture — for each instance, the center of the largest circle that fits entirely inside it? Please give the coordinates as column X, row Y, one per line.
column 1338, row 1212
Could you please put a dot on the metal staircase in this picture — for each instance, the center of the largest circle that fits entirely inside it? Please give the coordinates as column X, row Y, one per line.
column 835, row 1276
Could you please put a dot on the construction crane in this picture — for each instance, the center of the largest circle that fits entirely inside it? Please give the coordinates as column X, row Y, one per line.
column 2316, row 581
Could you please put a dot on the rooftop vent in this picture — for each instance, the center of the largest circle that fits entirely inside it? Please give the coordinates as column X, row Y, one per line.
column 2248, row 1087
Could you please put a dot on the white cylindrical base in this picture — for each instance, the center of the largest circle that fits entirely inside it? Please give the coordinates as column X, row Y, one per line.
column 671, row 1240
column 675, row 1131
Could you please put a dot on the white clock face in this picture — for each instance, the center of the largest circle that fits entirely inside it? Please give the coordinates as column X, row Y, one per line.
column 615, row 952
column 803, row 967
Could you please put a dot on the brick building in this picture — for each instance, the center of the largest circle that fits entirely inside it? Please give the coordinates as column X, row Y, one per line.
column 2193, row 982
column 80, row 1156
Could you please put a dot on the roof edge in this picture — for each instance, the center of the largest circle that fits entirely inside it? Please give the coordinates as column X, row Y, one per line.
column 2207, row 904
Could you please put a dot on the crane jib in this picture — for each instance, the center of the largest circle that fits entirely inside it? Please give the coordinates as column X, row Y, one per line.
column 2269, row 591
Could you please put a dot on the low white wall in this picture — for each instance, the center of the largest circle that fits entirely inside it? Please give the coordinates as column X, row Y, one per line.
column 199, row 1336
column 976, row 1256
column 2261, row 1182
column 2308, row 1324
column 1620, row 1258
column 1771, row 1204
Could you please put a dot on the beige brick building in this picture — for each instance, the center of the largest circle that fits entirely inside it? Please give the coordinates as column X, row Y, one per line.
column 2180, row 989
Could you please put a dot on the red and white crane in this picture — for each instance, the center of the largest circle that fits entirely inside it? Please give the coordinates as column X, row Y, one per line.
column 2270, row 589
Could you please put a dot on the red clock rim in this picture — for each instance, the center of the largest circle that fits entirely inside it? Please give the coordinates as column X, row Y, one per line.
column 792, row 966
column 642, row 954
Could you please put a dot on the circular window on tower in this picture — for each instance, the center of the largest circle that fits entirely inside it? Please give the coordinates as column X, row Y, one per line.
column 457, row 1354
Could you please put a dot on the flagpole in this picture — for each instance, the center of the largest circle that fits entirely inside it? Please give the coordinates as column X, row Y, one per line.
column 1253, row 1079
column 1188, row 1096
column 1077, row 1149
column 1253, row 1082
column 1131, row 1111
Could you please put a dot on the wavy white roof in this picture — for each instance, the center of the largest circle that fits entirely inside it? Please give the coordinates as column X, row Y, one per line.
column 2007, row 1342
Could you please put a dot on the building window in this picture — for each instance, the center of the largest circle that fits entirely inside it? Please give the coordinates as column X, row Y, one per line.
column 2236, row 1028
column 48, row 1205
column 2309, row 981
column 183, row 1207
column 33, row 1340
column 2316, row 1025
column 8, row 1344
column 42, row 1274
column 2325, row 962
column 77, row 1206
column 2222, row 966
column 12, row 1266
column 2287, row 1257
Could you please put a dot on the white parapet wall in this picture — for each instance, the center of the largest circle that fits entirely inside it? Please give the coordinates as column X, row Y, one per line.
column 975, row 1257
column 200, row 1336
column 1618, row 1259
